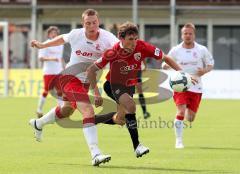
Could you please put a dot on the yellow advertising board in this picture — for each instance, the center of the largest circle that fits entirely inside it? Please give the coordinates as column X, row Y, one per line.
column 23, row 83
column 27, row 82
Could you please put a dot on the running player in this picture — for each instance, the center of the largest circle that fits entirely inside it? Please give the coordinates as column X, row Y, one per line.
column 87, row 44
column 125, row 61
column 52, row 65
column 196, row 60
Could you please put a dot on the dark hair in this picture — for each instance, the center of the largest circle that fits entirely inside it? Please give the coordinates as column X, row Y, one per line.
column 127, row 28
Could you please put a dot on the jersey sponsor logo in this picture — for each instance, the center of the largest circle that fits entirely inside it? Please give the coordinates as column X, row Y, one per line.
column 137, row 56
column 157, row 52
column 128, row 68
column 80, row 53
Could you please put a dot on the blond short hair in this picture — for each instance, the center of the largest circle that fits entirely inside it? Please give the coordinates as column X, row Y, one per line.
column 89, row 12
column 189, row 25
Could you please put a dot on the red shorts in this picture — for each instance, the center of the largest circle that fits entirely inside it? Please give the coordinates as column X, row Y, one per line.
column 73, row 89
column 48, row 82
column 191, row 99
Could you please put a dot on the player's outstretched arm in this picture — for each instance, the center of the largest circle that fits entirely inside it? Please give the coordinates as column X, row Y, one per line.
column 50, row 43
column 91, row 74
column 170, row 62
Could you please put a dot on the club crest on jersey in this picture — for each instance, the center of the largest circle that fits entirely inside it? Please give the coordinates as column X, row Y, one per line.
column 157, row 52
column 137, row 56
column 98, row 47
column 195, row 55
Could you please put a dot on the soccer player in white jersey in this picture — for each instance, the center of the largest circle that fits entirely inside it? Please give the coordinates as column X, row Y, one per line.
column 196, row 60
column 87, row 44
column 52, row 65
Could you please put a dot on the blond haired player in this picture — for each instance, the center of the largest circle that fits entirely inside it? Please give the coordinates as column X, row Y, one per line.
column 196, row 60
column 87, row 44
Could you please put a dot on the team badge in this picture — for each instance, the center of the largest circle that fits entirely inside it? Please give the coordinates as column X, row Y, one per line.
column 137, row 56
column 97, row 47
column 157, row 52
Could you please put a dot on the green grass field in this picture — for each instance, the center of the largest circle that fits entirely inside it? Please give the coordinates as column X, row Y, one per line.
column 212, row 145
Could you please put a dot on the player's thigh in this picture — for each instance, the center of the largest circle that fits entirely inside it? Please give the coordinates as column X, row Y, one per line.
column 181, row 101
column 86, row 109
column 194, row 101
column 127, row 102
column 190, row 115
column 181, row 109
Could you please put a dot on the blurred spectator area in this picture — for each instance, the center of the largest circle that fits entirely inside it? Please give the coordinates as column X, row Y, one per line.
column 124, row 2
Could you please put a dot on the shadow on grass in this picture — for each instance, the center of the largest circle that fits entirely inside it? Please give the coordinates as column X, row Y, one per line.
column 141, row 168
column 215, row 148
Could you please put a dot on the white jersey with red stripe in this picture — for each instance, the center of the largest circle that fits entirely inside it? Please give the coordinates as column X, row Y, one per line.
column 85, row 50
column 52, row 67
column 192, row 59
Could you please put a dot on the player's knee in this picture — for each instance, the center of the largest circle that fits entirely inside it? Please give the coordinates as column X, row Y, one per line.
column 67, row 111
column 131, row 108
column 190, row 118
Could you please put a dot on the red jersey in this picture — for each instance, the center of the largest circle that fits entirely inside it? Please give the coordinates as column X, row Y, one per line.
column 124, row 65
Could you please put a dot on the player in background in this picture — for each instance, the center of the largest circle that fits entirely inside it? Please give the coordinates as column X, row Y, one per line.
column 125, row 60
column 87, row 44
column 196, row 60
column 53, row 64
column 140, row 91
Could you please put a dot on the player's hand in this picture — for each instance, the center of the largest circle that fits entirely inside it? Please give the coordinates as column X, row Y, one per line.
column 98, row 101
column 201, row 72
column 36, row 44
column 194, row 80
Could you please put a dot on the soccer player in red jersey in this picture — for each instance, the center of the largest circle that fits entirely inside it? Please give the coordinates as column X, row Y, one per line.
column 125, row 60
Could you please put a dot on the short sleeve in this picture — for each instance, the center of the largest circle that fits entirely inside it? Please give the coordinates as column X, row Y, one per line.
column 113, row 39
column 66, row 37
column 172, row 53
column 208, row 58
column 152, row 51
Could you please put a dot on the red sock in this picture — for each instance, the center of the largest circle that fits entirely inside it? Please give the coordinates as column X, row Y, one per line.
column 179, row 117
column 58, row 112
column 89, row 120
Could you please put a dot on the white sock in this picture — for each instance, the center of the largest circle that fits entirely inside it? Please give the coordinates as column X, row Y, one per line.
column 41, row 103
column 178, row 126
column 48, row 118
column 60, row 102
column 90, row 134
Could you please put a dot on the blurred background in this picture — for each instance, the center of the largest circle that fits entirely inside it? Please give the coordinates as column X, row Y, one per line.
column 159, row 21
